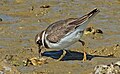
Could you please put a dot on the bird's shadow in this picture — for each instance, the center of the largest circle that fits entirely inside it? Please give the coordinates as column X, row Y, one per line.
column 70, row 55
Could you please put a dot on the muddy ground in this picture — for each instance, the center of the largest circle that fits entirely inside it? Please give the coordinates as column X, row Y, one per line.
column 21, row 20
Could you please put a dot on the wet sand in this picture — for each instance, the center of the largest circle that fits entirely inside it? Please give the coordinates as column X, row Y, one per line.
column 21, row 20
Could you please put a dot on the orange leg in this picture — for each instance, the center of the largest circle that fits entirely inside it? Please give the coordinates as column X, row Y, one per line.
column 84, row 57
column 62, row 56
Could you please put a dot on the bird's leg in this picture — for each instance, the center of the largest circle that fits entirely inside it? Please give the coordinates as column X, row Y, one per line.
column 63, row 54
column 84, row 57
column 83, row 43
column 69, row 52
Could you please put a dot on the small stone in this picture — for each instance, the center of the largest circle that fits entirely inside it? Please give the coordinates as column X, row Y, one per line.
column 99, row 31
column 1, row 72
column 110, row 55
column 20, row 27
column 19, row 1
column 117, row 45
column 45, row 6
column 118, row 63
column 113, row 68
column 32, row 8
column 35, row 61
column 69, row 72
column 89, row 30
column 38, row 20
column 1, row 19
column 7, row 68
column 36, row 14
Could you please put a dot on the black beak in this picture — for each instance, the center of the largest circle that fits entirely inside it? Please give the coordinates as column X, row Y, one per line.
column 39, row 50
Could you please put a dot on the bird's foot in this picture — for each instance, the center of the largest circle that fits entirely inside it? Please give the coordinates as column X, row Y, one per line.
column 62, row 56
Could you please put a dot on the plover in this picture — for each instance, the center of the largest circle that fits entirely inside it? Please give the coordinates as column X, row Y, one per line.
column 64, row 33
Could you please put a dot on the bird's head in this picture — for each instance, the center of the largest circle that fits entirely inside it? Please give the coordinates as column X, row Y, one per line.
column 38, row 40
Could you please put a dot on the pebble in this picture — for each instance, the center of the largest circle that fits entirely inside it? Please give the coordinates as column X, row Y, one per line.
column 45, row 6
column 91, row 30
column 1, row 19
column 113, row 68
column 35, row 61
column 1, row 72
column 99, row 31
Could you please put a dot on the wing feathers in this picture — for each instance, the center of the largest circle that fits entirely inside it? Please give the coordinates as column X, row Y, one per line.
column 57, row 31
column 61, row 28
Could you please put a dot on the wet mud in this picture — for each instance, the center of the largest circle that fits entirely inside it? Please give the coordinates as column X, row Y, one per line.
column 21, row 20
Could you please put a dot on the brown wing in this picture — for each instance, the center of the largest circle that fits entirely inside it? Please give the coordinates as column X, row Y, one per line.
column 59, row 29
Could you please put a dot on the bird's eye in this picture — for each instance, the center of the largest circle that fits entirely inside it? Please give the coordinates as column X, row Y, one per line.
column 39, row 42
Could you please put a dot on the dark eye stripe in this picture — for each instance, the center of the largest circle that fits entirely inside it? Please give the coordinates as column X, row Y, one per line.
column 39, row 42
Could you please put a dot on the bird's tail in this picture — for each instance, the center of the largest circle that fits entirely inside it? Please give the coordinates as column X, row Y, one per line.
column 93, row 12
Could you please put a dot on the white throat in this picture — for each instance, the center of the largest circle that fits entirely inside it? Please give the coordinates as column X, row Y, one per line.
column 43, row 36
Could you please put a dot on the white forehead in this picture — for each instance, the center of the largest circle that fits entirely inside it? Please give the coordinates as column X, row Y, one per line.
column 38, row 38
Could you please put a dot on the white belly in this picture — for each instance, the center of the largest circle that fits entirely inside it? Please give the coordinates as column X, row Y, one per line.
column 66, row 41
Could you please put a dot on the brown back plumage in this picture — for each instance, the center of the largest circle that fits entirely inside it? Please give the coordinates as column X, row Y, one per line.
column 61, row 28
